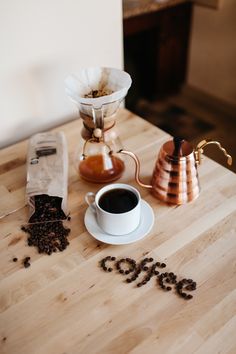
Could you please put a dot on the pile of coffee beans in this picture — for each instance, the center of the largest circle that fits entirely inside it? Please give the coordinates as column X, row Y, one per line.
column 45, row 228
column 165, row 280
column 48, row 237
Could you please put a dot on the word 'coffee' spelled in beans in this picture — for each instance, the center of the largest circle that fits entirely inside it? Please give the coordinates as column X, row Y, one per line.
column 165, row 280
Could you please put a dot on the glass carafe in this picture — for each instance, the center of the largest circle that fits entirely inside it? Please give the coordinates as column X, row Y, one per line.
column 98, row 163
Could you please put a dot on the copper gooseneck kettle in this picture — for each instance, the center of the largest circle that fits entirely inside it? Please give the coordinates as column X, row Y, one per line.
column 175, row 177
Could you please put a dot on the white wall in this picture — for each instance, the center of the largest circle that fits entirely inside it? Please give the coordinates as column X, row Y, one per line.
column 212, row 66
column 41, row 41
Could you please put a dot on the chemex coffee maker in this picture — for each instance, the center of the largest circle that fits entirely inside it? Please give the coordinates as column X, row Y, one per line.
column 98, row 92
column 175, row 177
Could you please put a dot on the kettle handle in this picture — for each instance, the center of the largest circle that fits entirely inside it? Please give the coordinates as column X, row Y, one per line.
column 203, row 144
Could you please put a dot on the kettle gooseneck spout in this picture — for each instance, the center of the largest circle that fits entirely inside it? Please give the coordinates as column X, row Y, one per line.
column 137, row 168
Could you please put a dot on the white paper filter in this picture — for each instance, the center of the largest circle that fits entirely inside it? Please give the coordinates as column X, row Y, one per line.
column 98, row 78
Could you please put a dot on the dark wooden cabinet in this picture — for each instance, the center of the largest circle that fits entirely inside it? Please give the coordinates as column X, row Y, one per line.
column 156, row 51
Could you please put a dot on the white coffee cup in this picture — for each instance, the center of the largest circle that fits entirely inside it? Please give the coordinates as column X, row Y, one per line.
column 115, row 223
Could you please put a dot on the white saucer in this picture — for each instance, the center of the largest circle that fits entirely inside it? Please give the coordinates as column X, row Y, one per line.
column 146, row 223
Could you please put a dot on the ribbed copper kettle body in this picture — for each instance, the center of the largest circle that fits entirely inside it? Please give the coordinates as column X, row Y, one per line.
column 175, row 178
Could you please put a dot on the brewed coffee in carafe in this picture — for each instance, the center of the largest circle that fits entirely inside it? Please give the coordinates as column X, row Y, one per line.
column 98, row 163
column 98, row 93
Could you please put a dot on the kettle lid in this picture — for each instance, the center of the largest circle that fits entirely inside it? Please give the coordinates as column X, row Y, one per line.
column 177, row 148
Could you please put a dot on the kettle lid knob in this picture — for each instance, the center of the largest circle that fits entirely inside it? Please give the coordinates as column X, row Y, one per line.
column 177, row 148
column 178, row 142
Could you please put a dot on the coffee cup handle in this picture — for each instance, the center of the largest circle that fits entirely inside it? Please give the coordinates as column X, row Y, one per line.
column 90, row 200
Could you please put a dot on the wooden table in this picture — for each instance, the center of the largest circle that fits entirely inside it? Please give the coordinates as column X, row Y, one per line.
column 65, row 303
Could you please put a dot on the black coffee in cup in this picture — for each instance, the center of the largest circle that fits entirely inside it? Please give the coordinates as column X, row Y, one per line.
column 118, row 200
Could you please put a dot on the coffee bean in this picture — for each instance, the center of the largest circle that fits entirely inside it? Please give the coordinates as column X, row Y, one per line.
column 15, row 259
column 26, row 262
column 113, row 258
column 109, row 269
column 189, row 287
column 163, row 265
column 168, row 288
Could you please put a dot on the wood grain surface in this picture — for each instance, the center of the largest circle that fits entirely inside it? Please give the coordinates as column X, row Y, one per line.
column 65, row 303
